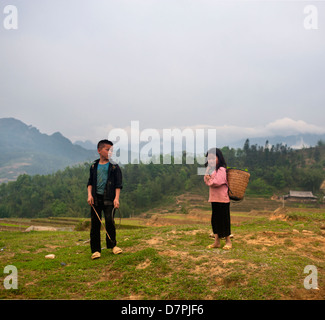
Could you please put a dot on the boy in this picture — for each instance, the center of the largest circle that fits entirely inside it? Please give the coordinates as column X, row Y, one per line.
column 104, row 186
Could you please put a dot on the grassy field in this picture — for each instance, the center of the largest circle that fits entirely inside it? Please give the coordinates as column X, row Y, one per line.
column 165, row 257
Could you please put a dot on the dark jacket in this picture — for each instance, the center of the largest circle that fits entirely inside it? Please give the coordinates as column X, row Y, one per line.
column 114, row 181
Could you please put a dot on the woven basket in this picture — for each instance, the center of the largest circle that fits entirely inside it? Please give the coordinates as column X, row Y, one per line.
column 237, row 183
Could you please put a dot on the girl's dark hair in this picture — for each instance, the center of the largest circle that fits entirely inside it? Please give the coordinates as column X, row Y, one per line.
column 221, row 160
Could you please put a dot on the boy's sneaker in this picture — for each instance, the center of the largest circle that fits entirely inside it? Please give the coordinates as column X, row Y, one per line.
column 95, row 255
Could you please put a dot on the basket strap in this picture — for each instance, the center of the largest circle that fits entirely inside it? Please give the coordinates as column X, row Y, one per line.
column 229, row 190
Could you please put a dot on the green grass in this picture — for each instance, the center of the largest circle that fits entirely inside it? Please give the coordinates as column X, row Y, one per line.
column 267, row 262
column 13, row 225
column 310, row 215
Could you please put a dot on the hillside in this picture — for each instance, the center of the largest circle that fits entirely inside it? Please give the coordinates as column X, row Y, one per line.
column 170, row 261
column 24, row 149
column 64, row 193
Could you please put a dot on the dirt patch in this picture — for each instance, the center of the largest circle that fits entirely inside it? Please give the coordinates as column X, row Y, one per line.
column 133, row 297
column 108, row 274
column 213, row 271
column 155, row 241
column 144, row 264
column 279, row 214
column 265, row 240
column 192, row 232
column 307, row 243
column 174, row 253
column 304, row 294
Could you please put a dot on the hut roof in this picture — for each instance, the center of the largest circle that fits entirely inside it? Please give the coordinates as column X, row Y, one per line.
column 301, row 194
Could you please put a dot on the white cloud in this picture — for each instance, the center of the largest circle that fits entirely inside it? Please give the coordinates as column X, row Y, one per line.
column 287, row 127
column 228, row 133
column 281, row 127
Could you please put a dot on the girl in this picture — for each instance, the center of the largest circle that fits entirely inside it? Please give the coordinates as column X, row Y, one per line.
column 216, row 179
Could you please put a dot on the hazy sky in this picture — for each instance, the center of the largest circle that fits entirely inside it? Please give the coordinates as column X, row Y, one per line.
column 84, row 67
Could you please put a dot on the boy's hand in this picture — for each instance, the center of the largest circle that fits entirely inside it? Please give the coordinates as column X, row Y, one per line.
column 90, row 200
column 116, row 203
column 117, row 197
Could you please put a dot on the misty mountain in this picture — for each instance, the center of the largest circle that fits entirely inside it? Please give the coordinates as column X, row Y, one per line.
column 24, row 149
column 86, row 144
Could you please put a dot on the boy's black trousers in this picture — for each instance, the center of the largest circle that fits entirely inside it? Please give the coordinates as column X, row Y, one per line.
column 95, row 225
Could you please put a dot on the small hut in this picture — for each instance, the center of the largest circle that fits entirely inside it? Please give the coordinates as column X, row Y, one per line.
column 300, row 196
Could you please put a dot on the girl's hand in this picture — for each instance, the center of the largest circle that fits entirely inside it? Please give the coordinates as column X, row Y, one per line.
column 208, row 171
column 207, row 177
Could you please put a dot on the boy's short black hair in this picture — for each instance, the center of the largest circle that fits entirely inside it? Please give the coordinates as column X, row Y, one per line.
column 101, row 143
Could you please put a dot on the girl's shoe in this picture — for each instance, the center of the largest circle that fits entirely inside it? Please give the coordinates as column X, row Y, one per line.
column 212, row 246
column 227, row 247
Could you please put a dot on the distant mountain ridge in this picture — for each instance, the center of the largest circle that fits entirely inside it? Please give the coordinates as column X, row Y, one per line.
column 24, row 149
column 298, row 141
column 88, row 145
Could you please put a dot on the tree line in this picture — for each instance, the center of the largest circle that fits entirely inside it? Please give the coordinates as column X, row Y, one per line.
column 279, row 168
column 274, row 169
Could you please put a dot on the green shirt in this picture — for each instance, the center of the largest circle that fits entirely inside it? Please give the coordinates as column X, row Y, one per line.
column 102, row 174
